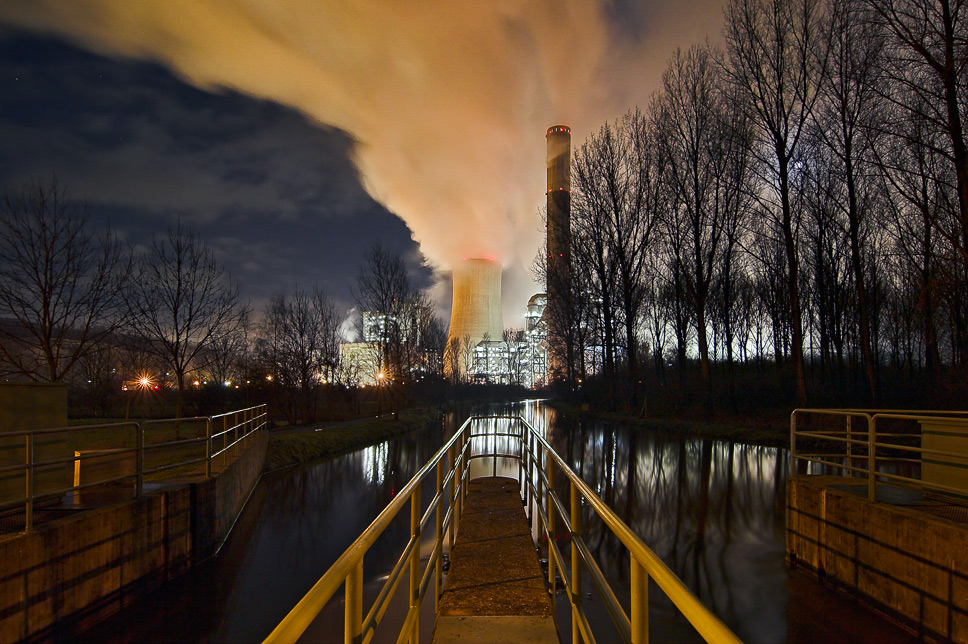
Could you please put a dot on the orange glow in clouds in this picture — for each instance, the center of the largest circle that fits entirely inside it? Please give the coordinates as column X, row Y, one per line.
column 449, row 101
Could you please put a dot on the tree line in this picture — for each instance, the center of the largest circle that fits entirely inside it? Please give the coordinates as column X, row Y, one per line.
column 78, row 306
column 796, row 198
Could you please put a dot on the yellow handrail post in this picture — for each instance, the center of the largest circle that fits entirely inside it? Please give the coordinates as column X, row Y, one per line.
column 353, row 614
column 439, row 538
column 415, row 563
column 29, row 509
column 640, row 602
column 139, row 461
column 526, row 466
column 550, row 466
column 872, row 460
column 459, row 490
column 575, row 563
column 451, row 496
column 531, row 481
column 208, row 446
column 850, row 447
column 464, row 473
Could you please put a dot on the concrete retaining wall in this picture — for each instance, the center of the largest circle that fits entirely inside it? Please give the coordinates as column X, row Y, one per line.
column 219, row 500
column 908, row 562
column 71, row 573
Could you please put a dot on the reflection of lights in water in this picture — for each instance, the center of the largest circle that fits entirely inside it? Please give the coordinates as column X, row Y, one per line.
column 375, row 463
column 611, row 474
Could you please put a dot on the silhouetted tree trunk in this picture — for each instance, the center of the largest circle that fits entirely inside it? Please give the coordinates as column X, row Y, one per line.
column 775, row 62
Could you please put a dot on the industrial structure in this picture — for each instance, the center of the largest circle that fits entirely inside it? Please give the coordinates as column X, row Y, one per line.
column 475, row 313
column 477, row 346
column 361, row 363
column 517, row 358
column 558, row 268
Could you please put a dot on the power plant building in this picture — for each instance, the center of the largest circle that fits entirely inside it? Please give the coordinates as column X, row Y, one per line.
column 520, row 358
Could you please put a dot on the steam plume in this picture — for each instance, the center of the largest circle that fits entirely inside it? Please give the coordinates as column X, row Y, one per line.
column 448, row 99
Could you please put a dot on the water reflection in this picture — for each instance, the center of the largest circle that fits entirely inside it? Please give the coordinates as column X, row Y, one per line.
column 295, row 525
column 712, row 511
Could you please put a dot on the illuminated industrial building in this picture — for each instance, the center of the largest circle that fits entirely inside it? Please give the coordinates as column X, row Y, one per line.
column 521, row 358
column 360, row 361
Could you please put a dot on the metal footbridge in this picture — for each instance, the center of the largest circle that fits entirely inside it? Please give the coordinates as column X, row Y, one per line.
column 494, row 589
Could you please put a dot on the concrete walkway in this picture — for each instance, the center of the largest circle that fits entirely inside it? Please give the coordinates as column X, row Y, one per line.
column 495, row 590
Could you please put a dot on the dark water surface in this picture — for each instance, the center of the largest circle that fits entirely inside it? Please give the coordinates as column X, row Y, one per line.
column 712, row 511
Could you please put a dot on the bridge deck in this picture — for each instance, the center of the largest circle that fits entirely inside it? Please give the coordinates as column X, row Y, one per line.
column 495, row 590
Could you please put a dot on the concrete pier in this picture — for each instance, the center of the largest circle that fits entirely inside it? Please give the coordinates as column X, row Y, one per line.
column 495, row 591
column 905, row 552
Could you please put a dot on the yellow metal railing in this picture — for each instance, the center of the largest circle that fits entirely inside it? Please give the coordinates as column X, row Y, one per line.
column 147, row 451
column 852, row 444
column 538, row 464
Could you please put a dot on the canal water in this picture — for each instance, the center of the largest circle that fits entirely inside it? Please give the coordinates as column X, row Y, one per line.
column 713, row 511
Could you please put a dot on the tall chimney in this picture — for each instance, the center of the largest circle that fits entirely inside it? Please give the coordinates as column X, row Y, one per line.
column 558, row 270
column 476, row 310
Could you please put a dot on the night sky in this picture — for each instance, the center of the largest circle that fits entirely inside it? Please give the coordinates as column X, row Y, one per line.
column 293, row 136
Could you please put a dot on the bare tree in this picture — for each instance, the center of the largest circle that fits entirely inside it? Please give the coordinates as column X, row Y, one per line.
column 384, row 290
column 61, row 286
column 432, row 341
column 708, row 170
column 845, row 112
column 776, row 58
column 917, row 180
column 228, row 352
column 616, row 204
column 299, row 343
column 182, row 303
column 455, row 354
column 926, row 56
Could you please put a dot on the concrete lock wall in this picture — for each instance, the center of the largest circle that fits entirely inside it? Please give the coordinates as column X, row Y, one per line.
column 908, row 562
column 71, row 573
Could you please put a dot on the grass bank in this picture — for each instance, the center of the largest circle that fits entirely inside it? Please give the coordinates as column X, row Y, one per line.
column 771, row 429
column 292, row 446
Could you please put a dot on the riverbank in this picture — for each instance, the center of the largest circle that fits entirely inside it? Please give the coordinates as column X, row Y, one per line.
column 766, row 429
column 295, row 445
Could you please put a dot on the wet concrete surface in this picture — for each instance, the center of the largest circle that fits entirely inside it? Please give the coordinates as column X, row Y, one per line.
column 494, row 566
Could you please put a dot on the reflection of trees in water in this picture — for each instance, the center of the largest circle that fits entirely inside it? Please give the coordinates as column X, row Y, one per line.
column 692, row 501
column 343, row 495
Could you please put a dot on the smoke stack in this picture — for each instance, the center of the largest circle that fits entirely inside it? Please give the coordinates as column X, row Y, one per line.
column 559, row 196
column 558, row 270
column 476, row 309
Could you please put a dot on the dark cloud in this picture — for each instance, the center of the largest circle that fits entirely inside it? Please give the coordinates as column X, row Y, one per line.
column 276, row 197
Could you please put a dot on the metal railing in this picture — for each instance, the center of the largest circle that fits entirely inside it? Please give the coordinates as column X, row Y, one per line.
column 857, row 443
column 151, row 457
column 537, row 465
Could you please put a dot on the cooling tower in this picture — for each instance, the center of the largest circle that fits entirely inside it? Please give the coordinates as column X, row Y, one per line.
column 476, row 310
